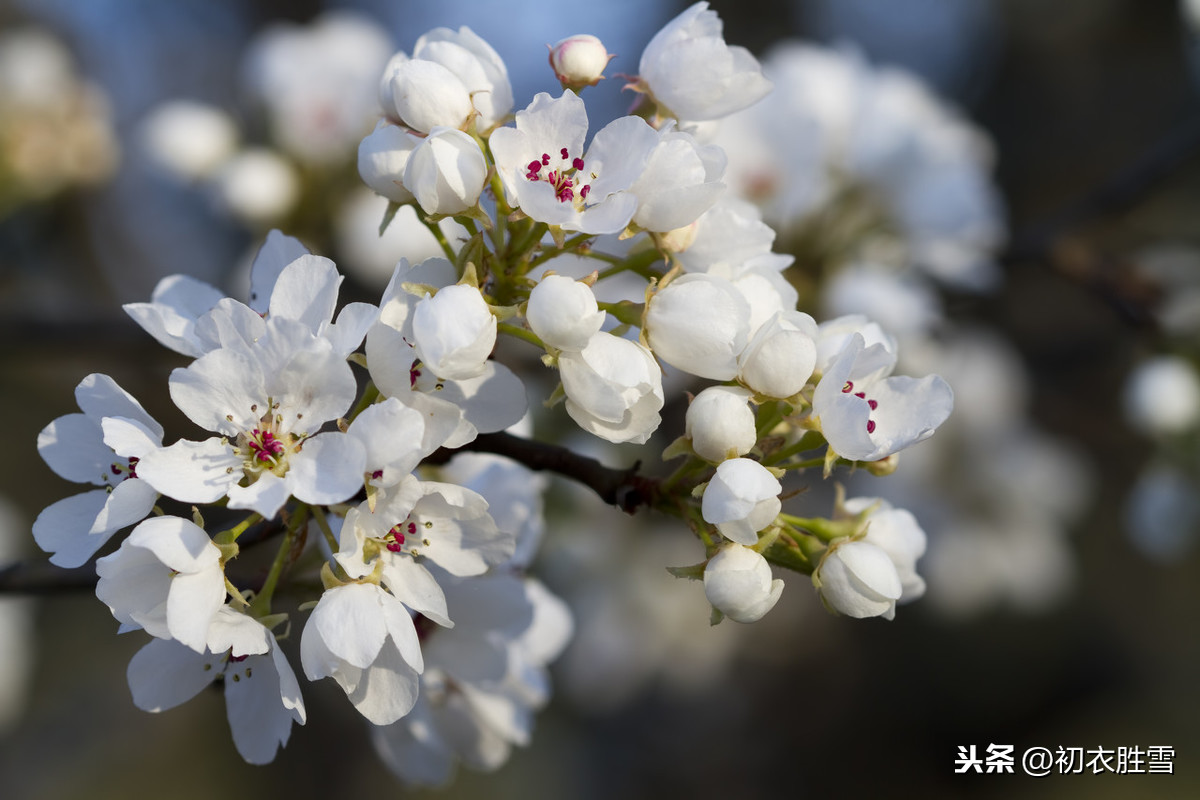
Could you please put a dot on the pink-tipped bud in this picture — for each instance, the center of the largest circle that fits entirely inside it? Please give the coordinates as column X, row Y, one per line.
column 579, row 61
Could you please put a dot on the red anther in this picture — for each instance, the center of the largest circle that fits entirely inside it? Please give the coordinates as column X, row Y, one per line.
column 565, row 154
column 577, row 163
column 874, row 404
column 583, row 193
column 848, row 387
column 870, row 426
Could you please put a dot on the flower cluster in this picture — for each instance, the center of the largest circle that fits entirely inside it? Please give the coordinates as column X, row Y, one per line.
column 622, row 265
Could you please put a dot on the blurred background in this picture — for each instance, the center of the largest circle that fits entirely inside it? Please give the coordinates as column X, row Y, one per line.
column 1063, row 562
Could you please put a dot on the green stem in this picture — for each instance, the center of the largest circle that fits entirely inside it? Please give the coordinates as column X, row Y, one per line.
column 369, row 396
column 323, row 524
column 231, row 535
column 260, row 606
column 520, row 333
column 809, row 441
column 436, row 230
column 568, row 245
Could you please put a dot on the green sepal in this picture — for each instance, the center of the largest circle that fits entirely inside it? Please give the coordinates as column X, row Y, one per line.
column 388, row 215
column 693, row 573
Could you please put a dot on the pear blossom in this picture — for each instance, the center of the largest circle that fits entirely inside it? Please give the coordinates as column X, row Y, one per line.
column 563, row 312
column 865, row 415
column 741, row 499
column 188, row 139
column 579, row 61
column 101, row 446
column 1162, row 396
column 614, row 388
column 456, row 409
column 165, row 578
column 424, row 95
column 257, row 185
column 266, row 403
column 382, row 158
column 474, row 62
column 737, row 582
column 858, row 579
column 363, row 638
column 779, row 359
column 446, row 172
column 316, row 82
column 692, row 74
column 454, row 332
column 720, row 423
column 547, row 174
column 681, row 180
column 483, row 679
column 699, row 323
column 897, row 533
column 262, row 697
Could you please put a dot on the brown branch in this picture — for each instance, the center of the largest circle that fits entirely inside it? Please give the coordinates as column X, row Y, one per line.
column 623, row 488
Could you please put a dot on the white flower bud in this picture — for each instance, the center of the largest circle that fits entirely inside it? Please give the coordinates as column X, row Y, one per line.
column 579, row 61
column 257, row 185
column 720, row 423
column 189, row 139
column 737, row 582
column 1163, row 396
column 446, row 172
column 424, row 95
column 699, row 323
column 780, row 358
column 563, row 312
column 454, row 332
column 897, row 532
column 858, row 579
column 382, row 157
column 741, row 500
column 614, row 388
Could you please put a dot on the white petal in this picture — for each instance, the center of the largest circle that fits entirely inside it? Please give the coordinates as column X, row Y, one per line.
column 164, row 674
column 412, row 585
column 307, row 291
column 266, row 495
column 387, row 690
column 257, row 707
column 276, row 253
column 73, row 446
column 192, row 472
column 351, row 623
column 128, row 503
column 62, row 528
column 329, row 468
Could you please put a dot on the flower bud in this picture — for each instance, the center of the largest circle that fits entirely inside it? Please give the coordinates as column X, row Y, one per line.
column 699, row 323
column 257, row 185
column 897, row 533
column 579, row 61
column 741, row 500
column 1162, row 396
column 424, row 95
column 382, row 156
column 454, row 332
column 858, row 579
column 780, row 358
column 446, row 172
column 563, row 312
column 737, row 582
column 720, row 423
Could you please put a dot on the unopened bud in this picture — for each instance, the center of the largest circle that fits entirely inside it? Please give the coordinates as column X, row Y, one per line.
column 579, row 61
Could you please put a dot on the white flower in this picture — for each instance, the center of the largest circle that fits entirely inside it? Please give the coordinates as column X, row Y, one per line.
column 424, row 95
column 737, row 582
column 165, row 578
column 101, row 446
column 262, row 697
column 699, row 323
column 563, row 312
column 446, row 172
column 579, row 61
column 780, row 358
column 266, row 402
column 897, row 533
column 546, row 173
column 316, row 82
column 1162, row 396
column 858, row 579
column 720, row 423
column 693, row 75
column 614, row 388
column 456, row 410
column 382, row 158
column 257, row 185
column 681, row 180
column 188, row 139
column 454, row 332
column 866, row 416
column 741, row 499
column 477, row 65
column 364, row 639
